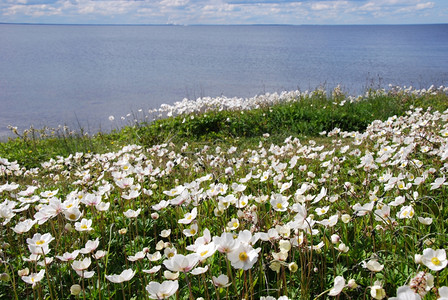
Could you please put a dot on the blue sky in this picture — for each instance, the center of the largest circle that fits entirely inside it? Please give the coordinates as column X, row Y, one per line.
column 224, row 11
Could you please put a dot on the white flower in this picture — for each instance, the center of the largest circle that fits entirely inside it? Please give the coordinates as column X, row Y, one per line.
column 24, row 226
column 39, row 243
column 191, row 231
column 165, row 233
column 374, row 266
column 81, row 265
column 153, row 270
column 443, row 292
column 189, row 217
column 182, row 263
column 243, row 257
column 377, row 291
column 279, row 202
column 434, row 259
column 132, row 213
column 90, row 246
column 34, row 278
column 171, row 275
column 406, row 293
column 221, row 281
column 425, row 221
column 339, row 284
column 85, row 274
column 163, row 290
column 84, row 225
column 406, row 212
column 67, row 256
column 126, row 275
column 233, row 224
column 199, row 270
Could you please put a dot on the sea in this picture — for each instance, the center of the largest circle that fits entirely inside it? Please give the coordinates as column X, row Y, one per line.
column 80, row 75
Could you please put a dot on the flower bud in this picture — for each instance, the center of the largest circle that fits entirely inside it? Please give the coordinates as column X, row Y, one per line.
column 75, row 289
column 68, row 227
column 345, row 218
column 352, row 284
column 293, row 267
column 122, row 231
column 24, row 272
column 4, row 277
column 418, row 258
column 335, row 238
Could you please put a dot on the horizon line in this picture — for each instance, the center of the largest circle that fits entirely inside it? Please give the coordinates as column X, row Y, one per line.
column 199, row 24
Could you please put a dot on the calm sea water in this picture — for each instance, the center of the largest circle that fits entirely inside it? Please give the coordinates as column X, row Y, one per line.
column 51, row 74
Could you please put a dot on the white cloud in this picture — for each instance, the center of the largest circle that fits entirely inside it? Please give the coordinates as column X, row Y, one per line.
column 174, row 3
column 220, row 11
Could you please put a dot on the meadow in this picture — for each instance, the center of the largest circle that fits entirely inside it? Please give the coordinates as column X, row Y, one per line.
column 299, row 195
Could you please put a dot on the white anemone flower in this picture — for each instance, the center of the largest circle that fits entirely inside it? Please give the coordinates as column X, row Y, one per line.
column 443, row 292
column 192, row 231
column 243, row 257
column 34, row 278
column 24, row 226
column 225, row 243
column 377, row 291
column 374, row 266
column 81, row 265
column 130, row 213
column 126, row 275
column 84, row 225
column 199, row 270
column 90, row 246
column 189, row 217
column 339, row 284
column 435, row 260
column 182, row 263
column 406, row 293
column 165, row 233
column 279, row 202
column 68, row 256
column 406, row 212
column 39, row 244
column 425, row 221
column 221, row 281
column 85, row 274
column 162, row 290
column 153, row 270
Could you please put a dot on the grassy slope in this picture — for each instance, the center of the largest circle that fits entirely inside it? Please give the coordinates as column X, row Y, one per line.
column 304, row 117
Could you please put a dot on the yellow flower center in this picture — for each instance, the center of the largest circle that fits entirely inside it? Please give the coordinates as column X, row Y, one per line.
column 235, row 224
column 193, row 231
column 243, row 256
column 204, row 253
column 435, row 261
column 40, row 242
column 171, row 254
column 84, row 226
column 72, row 217
column 279, row 205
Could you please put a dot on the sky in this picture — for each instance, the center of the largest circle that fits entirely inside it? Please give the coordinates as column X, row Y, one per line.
column 190, row 12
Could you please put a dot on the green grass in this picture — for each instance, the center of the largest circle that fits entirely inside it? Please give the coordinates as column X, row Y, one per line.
column 306, row 116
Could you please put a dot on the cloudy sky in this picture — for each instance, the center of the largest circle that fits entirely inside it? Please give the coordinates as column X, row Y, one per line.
column 224, row 11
